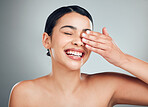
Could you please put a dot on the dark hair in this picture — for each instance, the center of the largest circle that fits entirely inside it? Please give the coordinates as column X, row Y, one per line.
column 58, row 13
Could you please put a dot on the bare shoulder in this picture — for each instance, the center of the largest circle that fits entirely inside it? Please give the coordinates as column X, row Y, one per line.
column 112, row 79
column 116, row 86
column 24, row 92
column 20, row 93
column 22, row 87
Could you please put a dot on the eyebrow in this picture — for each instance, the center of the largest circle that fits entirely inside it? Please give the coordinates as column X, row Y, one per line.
column 72, row 27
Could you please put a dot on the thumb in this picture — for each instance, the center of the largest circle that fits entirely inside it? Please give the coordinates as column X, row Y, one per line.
column 104, row 31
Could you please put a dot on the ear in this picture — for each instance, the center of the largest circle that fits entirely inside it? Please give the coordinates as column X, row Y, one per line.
column 46, row 40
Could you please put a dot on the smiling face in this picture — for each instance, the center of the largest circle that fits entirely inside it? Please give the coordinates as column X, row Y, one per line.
column 67, row 48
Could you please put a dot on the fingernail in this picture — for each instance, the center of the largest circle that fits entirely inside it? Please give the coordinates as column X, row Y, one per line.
column 83, row 34
column 84, row 40
column 88, row 32
column 87, row 46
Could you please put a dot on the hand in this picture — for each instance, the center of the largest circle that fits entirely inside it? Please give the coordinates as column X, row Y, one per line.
column 104, row 45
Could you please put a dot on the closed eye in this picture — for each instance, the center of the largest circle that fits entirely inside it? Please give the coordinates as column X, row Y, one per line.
column 67, row 33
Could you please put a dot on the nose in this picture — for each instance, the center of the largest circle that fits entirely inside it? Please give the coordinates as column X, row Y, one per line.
column 77, row 41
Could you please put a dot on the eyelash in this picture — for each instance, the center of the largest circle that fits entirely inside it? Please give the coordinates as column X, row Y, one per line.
column 67, row 33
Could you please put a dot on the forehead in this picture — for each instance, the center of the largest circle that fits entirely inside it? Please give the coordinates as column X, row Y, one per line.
column 75, row 19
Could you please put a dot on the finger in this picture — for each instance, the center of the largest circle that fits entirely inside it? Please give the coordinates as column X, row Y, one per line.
column 104, row 31
column 94, row 38
column 96, row 34
column 99, row 51
column 93, row 33
column 94, row 44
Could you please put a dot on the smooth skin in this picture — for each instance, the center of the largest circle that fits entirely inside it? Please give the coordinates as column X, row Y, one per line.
column 65, row 86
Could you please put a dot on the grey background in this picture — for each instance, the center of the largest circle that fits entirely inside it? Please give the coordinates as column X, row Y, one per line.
column 22, row 55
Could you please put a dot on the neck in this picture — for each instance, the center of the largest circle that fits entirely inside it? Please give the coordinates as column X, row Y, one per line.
column 65, row 80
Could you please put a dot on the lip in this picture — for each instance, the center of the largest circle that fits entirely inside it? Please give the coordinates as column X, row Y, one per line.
column 76, row 50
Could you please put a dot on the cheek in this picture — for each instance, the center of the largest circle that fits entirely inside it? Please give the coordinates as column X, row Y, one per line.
column 59, row 42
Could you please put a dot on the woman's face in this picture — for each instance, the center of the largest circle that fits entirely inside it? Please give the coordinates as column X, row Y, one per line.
column 67, row 48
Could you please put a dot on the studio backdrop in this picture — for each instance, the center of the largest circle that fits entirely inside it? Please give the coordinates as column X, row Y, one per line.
column 23, row 57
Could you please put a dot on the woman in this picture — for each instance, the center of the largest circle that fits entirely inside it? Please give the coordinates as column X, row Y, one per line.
column 69, row 39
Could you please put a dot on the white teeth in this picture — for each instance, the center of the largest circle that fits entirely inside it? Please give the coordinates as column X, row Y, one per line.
column 74, row 53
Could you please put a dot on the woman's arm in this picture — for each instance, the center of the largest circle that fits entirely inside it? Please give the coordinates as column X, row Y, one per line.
column 127, row 90
column 136, row 67
column 105, row 46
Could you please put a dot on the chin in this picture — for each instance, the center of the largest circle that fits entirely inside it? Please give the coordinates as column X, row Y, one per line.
column 74, row 66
